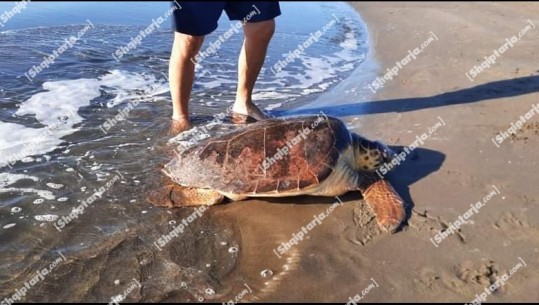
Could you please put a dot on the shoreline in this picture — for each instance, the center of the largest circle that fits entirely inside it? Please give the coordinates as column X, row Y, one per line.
column 354, row 87
column 345, row 90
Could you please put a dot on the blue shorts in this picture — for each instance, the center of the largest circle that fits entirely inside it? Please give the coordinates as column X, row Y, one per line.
column 200, row 18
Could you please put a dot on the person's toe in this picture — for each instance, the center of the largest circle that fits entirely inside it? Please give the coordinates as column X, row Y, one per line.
column 250, row 112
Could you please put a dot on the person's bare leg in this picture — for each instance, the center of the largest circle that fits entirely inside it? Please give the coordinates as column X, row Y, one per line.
column 252, row 56
column 181, row 74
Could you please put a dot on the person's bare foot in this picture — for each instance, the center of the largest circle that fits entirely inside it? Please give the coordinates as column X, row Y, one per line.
column 247, row 112
column 179, row 124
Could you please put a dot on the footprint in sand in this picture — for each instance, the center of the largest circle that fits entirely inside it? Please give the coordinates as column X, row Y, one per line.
column 466, row 279
column 425, row 223
column 510, row 221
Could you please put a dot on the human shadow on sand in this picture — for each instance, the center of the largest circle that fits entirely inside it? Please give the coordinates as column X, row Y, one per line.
column 493, row 90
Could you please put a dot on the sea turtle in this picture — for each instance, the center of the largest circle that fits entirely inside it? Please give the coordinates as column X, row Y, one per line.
column 287, row 156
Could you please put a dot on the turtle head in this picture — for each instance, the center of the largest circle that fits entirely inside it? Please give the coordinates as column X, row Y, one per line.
column 370, row 155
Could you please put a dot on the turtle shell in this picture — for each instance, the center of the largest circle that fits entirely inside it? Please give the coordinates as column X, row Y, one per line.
column 274, row 155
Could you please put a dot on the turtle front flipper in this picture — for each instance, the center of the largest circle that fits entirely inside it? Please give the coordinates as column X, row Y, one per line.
column 386, row 204
column 177, row 196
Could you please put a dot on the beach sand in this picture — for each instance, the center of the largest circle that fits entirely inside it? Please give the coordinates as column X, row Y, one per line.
column 460, row 163
column 231, row 252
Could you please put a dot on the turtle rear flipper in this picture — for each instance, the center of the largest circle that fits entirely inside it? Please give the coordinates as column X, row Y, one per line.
column 386, row 204
column 177, row 196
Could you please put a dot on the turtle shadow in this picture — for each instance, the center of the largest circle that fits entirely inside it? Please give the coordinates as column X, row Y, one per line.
column 419, row 164
column 488, row 91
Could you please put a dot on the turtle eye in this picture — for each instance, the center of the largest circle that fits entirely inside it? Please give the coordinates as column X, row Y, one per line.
column 387, row 157
column 387, row 153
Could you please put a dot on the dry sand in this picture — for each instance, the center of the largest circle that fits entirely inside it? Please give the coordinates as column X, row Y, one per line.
column 459, row 164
